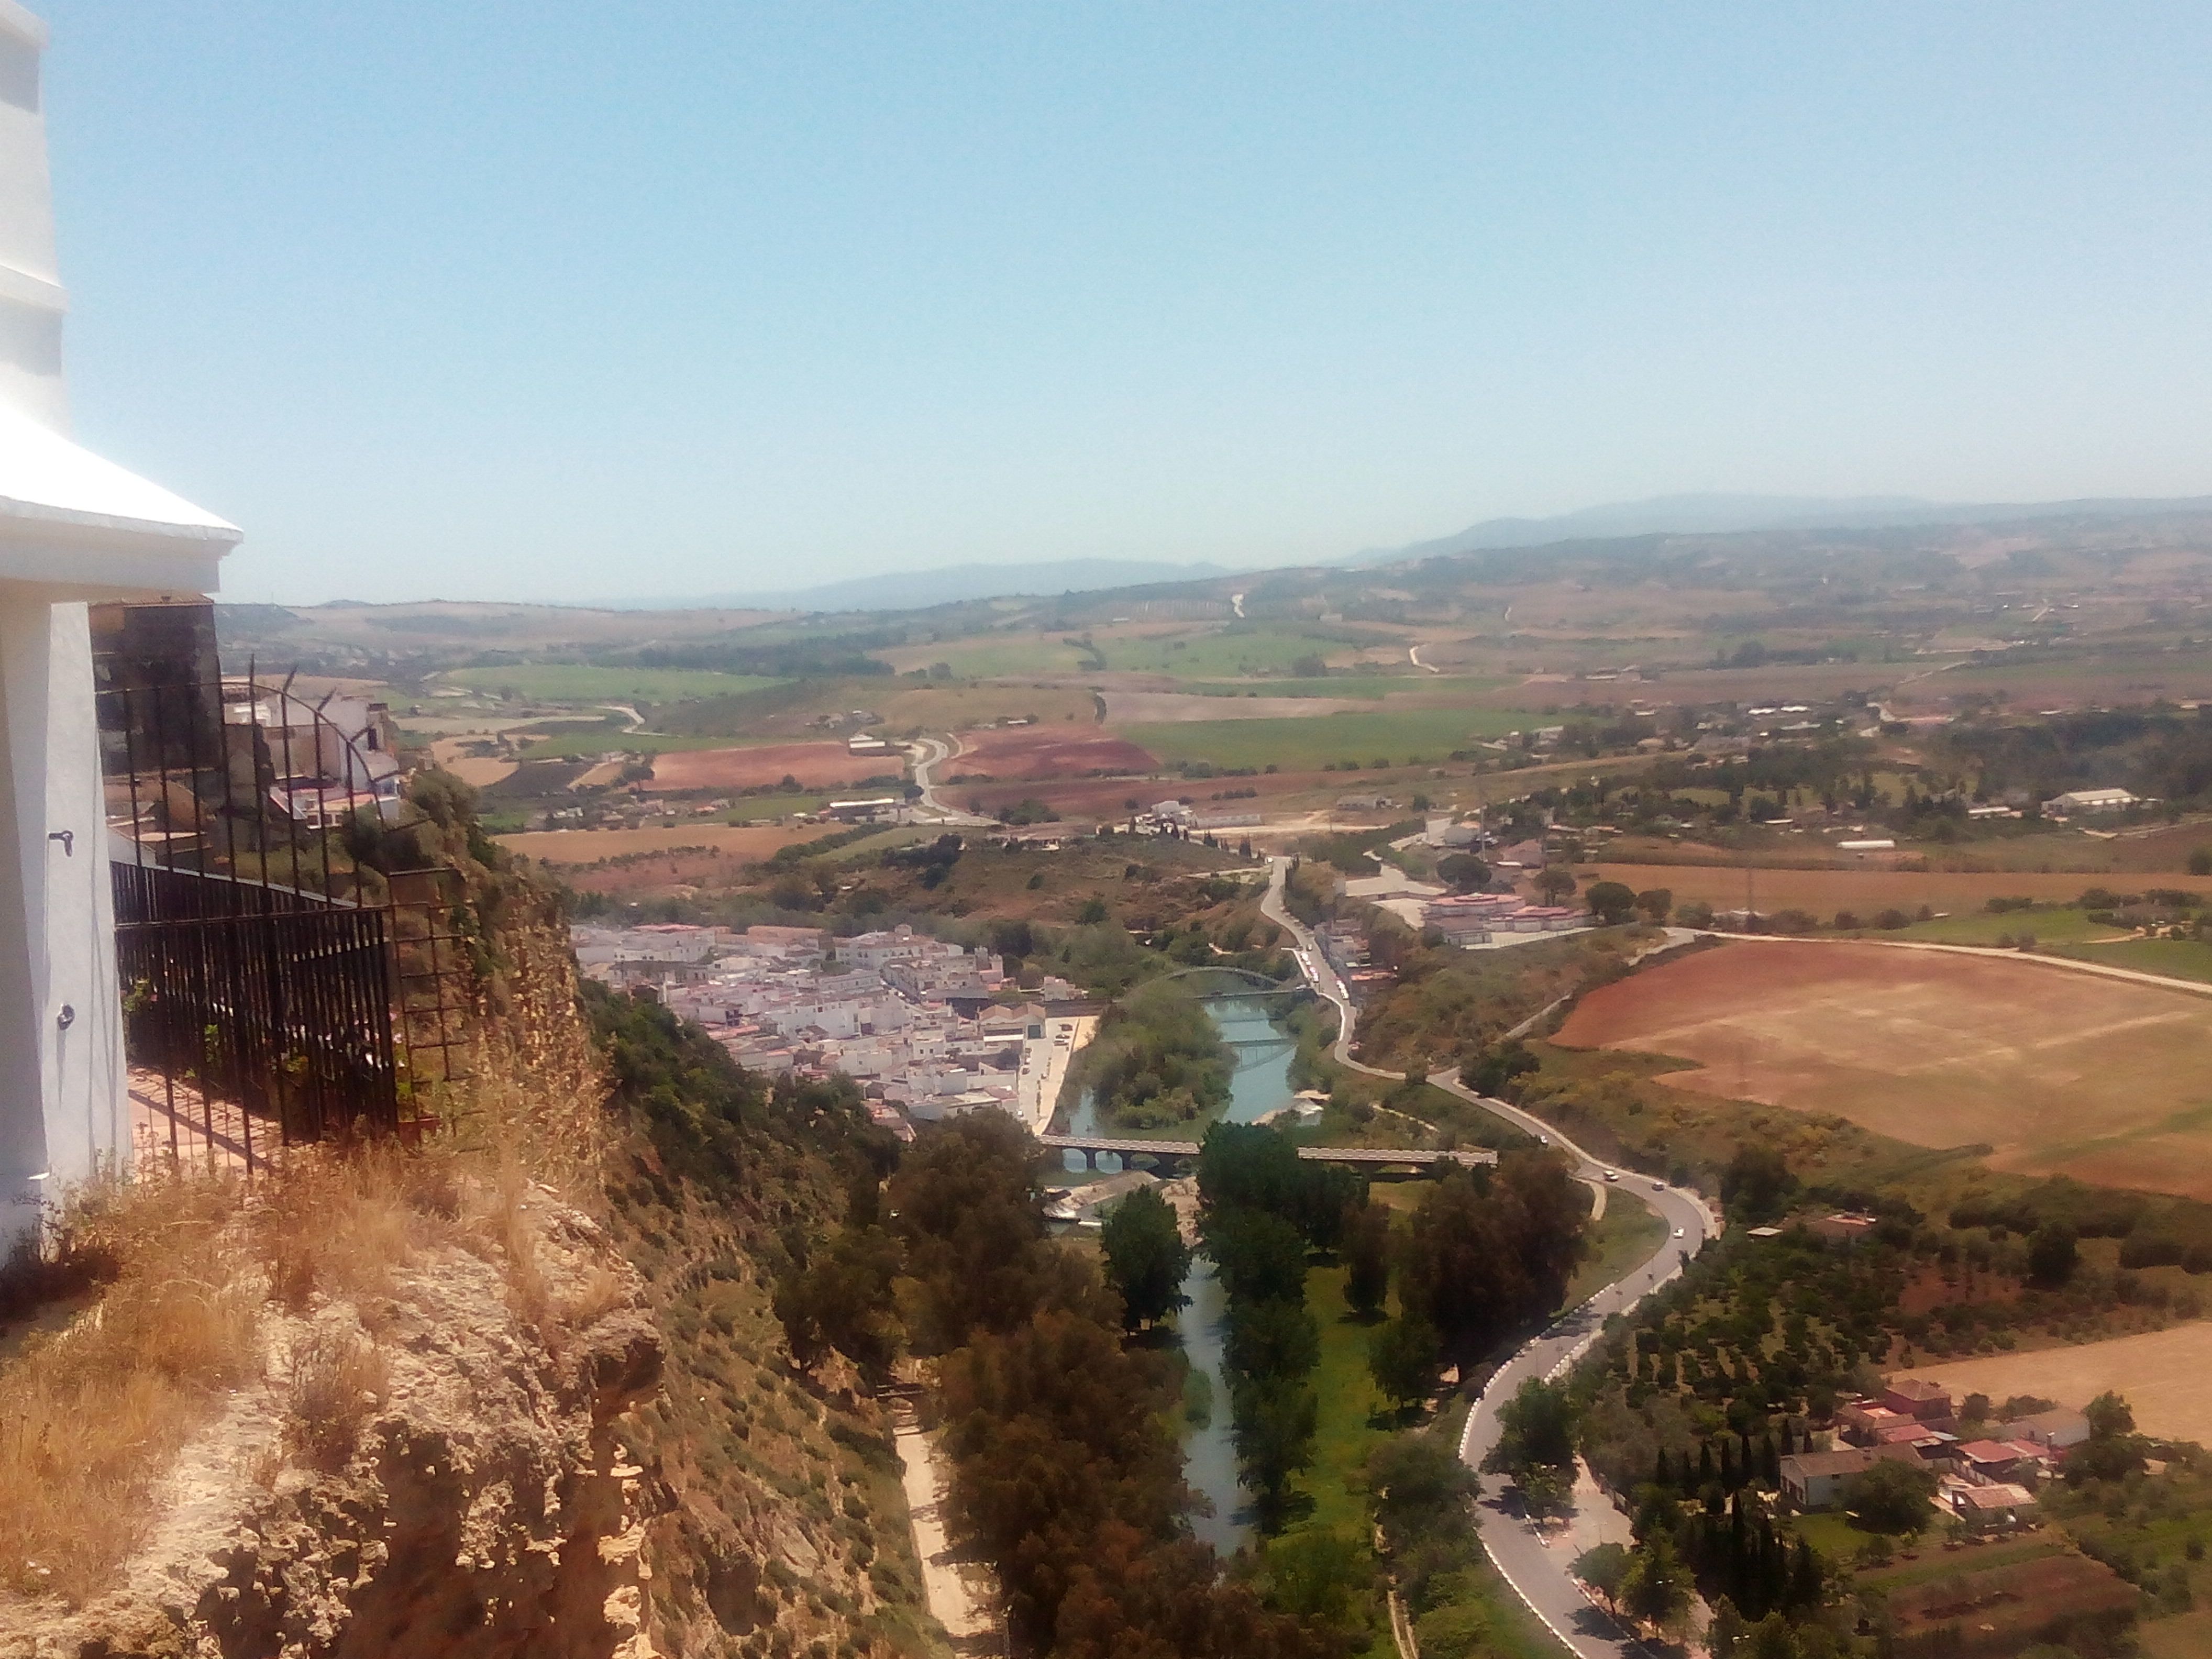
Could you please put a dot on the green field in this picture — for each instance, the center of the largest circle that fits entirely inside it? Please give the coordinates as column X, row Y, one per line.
column 2059, row 925
column 1371, row 688
column 774, row 806
column 2068, row 932
column 1367, row 688
column 1414, row 735
column 2176, row 958
column 987, row 658
column 1630, row 1232
column 1347, row 1435
column 569, row 682
column 1219, row 653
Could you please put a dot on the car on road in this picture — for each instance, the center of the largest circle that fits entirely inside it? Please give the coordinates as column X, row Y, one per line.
column 1678, row 1232
column 1613, row 1175
column 1657, row 1185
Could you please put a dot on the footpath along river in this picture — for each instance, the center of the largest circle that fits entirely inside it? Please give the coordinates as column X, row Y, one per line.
column 1261, row 1083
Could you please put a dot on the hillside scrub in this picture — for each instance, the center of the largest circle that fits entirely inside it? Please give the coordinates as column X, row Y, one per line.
column 310, row 1352
column 728, row 1192
column 1448, row 1003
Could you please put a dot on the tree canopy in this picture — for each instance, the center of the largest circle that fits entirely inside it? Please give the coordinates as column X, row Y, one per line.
column 1146, row 1258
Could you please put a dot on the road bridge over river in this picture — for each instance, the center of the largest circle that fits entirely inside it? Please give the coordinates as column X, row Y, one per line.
column 1183, row 1152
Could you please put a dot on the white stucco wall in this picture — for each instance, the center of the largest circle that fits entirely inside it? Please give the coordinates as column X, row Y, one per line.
column 73, row 527
column 62, row 1103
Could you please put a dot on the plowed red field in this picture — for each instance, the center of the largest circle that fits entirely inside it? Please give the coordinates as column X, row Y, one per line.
column 2058, row 1072
column 1044, row 752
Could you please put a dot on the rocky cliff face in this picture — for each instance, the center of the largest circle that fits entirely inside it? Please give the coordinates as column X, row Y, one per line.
column 489, row 1416
column 435, row 1471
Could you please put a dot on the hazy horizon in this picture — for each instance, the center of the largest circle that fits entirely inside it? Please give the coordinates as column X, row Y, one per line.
column 516, row 302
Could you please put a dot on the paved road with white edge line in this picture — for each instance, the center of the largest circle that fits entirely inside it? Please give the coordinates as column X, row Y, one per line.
column 1539, row 1572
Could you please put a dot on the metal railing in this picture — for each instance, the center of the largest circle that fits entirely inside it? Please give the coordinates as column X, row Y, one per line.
column 283, row 980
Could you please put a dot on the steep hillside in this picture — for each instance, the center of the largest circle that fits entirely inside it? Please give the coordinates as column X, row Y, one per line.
column 521, row 1391
column 782, row 1526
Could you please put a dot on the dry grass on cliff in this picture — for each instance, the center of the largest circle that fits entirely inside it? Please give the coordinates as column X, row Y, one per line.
column 90, row 1415
column 201, row 1270
column 208, row 1280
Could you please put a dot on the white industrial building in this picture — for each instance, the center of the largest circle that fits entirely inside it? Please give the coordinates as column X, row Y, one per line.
column 74, row 528
column 2089, row 800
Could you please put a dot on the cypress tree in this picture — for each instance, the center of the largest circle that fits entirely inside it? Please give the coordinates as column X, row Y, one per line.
column 1661, row 1476
column 1773, row 1568
column 1738, row 1552
column 1804, row 1576
column 1704, row 1462
column 1729, row 1479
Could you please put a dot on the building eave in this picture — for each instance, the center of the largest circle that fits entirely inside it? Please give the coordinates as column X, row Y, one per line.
column 74, row 522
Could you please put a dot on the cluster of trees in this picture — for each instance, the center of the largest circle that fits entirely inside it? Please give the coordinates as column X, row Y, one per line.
column 1488, row 1251
column 1146, row 1261
column 1536, row 1444
column 1712, row 1529
column 1760, row 1335
column 1157, row 1061
column 1648, row 1583
column 934, row 859
column 1066, row 1474
column 1755, row 1569
column 1419, row 1492
column 1725, row 1463
column 2163, row 753
column 1265, row 1211
column 1483, row 1254
column 1614, row 903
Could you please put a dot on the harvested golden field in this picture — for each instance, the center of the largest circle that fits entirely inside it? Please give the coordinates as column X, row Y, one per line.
column 481, row 771
column 2160, row 1373
column 811, row 765
column 589, row 846
column 2055, row 1071
column 1864, row 892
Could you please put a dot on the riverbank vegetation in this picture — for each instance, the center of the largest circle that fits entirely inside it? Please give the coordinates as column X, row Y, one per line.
column 1265, row 1211
column 1157, row 1061
column 1145, row 1259
column 1066, row 1472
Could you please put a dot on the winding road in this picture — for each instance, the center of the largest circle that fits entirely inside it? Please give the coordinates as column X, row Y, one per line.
column 925, row 753
column 1539, row 1574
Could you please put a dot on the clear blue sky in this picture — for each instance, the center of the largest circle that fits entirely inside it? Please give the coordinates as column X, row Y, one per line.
column 566, row 300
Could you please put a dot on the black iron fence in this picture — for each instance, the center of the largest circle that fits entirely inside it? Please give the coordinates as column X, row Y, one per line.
column 278, row 1003
column 284, row 980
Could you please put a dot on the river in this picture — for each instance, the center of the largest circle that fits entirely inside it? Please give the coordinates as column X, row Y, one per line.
column 1261, row 1083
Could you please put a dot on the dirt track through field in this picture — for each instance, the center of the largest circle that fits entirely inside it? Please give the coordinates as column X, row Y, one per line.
column 2159, row 1373
column 2108, row 1080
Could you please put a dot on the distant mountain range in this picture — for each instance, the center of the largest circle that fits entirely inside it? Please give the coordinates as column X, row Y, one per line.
column 951, row 583
column 1680, row 515
column 1712, row 515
